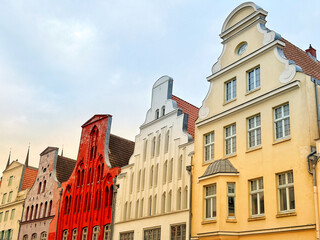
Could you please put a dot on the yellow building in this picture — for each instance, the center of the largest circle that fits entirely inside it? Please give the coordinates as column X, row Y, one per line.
column 17, row 179
column 255, row 132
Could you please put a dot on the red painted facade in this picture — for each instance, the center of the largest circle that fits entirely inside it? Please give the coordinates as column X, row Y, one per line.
column 87, row 196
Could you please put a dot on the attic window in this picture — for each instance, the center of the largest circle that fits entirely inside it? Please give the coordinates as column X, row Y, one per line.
column 241, row 47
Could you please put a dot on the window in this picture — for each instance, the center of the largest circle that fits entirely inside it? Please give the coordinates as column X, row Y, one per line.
column 178, row 232
column 157, row 114
column 43, row 236
column 151, row 177
column 12, row 214
column 163, row 111
column 84, row 233
column 6, row 215
column 95, row 233
column 7, row 234
column 165, row 167
column 141, row 207
column 210, row 202
column 107, row 232
column 282, row 121
column 154, row 211
column 170, row 170
column 10, row 180
column 179, row 199
column 152, row 234
column 44, row 185
column 231, row 200
column 4, row 198
column 169, row 201
column 286, row 192
column 74, row 234
column 10, row 196
column 163, row 203
column 126, row 236
column 230, row 139
column 65, row 235
column 253, row 79
column 241, row 48
column 34, row 236
column 166, row 149
column 25, row 237
column 1, row 214
column 39, row 188
column 256, row 197
column 150, row 206
column 208, row 147
column 230, row 90
column 254, row 131
column 137, row 209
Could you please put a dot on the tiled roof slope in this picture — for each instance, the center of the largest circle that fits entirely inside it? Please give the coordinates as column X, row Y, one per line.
column 29, row 176
column 302, row 59
column 64, row 168
column 189, row 109
column 120, row 151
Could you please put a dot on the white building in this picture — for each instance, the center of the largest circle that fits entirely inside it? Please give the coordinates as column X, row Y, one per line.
column 153, row 197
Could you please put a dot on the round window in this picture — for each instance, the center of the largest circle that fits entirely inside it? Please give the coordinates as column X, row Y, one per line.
column 242, row 47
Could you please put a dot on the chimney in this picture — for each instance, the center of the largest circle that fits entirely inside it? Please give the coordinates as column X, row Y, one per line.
column 312, row 51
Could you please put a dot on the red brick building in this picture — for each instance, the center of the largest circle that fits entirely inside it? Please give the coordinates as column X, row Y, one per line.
column 87, row 197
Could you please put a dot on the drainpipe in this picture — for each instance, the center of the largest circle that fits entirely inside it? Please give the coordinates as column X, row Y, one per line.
column 189, row 168
column 115, row 189
column 21, row 220
column 60, row 194
column 317, row 103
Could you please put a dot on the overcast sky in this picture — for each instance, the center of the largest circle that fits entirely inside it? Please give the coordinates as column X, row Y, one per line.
column 61, row 62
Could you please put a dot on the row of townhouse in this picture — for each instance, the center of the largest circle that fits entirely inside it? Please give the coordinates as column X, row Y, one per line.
column 243, row 166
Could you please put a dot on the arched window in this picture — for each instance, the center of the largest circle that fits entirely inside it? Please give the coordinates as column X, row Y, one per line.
column 74, row 234
column 43, row 236
column 44, row 185
column 141, row 207
column 31, row 212
column 131, row 182
column 151, row 177
column 69, row 205
column 157, row 114
column 138, row 181
column 165, row 167
column 82, row 177
column 106, row 197
column 158, row 145
column 25, row 237
column 156, row 175
column 180, row 166
column 179, row 199
column 155, row 205
column 185, row 198
column 163, row 111
column 137, row 209
column 166, row 147
column 150, row 206
column 27, row 214
column 65, row 235
column 45, row 208
column 153, row 147
column 50, row 207
column 40, row 210
column 98, row 174
column 163, row 203
column 34, row 236
column 65, row 207
column 84, row 233
column 35, row 212
column 78, row 178
column 107, row 232
column 169, row 201
column 145, row 150
column 170, row 170
column 95, row 233
column 39, row 188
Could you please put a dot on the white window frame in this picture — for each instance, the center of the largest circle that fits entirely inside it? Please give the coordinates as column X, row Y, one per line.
column 152, row 232
column 84, row 233
column 95, row 232
column 231, row 194
column 255, row 130
column 232, row 90
column 182, row 232
column 64, row 235
column 285, row 186
column 232, row 139
column 211, row 197
column 127, row 235
column 282, row 120
column 74, row 234
column 256, row 81
column 209, row 147
column 256, row 192
column 44, row 236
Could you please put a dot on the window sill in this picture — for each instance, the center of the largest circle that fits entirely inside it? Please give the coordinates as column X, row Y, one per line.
column 250, row 219
column 286, row 214
column 207, row 163
column 281, row 140
column 254, row 149
column 231, row 155
column 229, row 101
column 231, row 220
column 208, row 221
column 252, row 91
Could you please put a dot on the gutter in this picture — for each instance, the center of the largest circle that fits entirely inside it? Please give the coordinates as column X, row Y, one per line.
column 115, row 190
column 189, row 168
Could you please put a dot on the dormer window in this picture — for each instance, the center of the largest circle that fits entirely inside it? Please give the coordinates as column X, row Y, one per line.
column 157, row 114
column 241, row 48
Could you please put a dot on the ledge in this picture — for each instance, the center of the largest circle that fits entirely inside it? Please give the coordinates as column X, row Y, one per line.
column 286, row 214
column 250, row 219
column 281, row 140
column 231, row 220
column 208, row 221
column 230, row 101
column 252, row 91
column 254, row 149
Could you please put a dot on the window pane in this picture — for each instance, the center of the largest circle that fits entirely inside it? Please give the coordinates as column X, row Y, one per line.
column 214, row 207
column 254, row 204
column 231, row 206
column 291, row 198
column 283, row 199
column 261, row 195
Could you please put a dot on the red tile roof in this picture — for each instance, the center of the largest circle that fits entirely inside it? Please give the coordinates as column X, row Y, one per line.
column 120, row 151
column 189, row 109
column 29, row 176
column 64, row 168
column 302, row 59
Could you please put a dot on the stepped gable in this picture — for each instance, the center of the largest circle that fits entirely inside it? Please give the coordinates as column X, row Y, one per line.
column 120, row 151
column 64, row 168
column 301, row 58
column 29, row 176
column 189, row 109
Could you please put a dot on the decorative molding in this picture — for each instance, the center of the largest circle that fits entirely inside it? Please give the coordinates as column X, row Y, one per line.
column 269, row 36
column 217, row 66
column 290, row 67
column 204, row 110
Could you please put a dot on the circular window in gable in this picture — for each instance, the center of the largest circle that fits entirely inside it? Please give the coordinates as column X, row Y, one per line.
column 241, row 47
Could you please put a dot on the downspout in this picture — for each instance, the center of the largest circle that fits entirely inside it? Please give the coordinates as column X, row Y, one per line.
column 21, row 220
column 60, row 194
column 115, row 190
column 189, row 168
column 317, row 103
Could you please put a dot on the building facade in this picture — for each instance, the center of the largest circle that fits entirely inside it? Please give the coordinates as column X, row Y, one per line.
column 86, row 203
column 255, row 137
column 43, row 198
column 153, row 195
column 17, row 179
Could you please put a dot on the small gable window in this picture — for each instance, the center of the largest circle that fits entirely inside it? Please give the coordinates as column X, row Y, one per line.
column 241, row 48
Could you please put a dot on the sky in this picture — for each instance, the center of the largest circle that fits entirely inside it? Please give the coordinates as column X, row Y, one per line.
column 61, row 62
